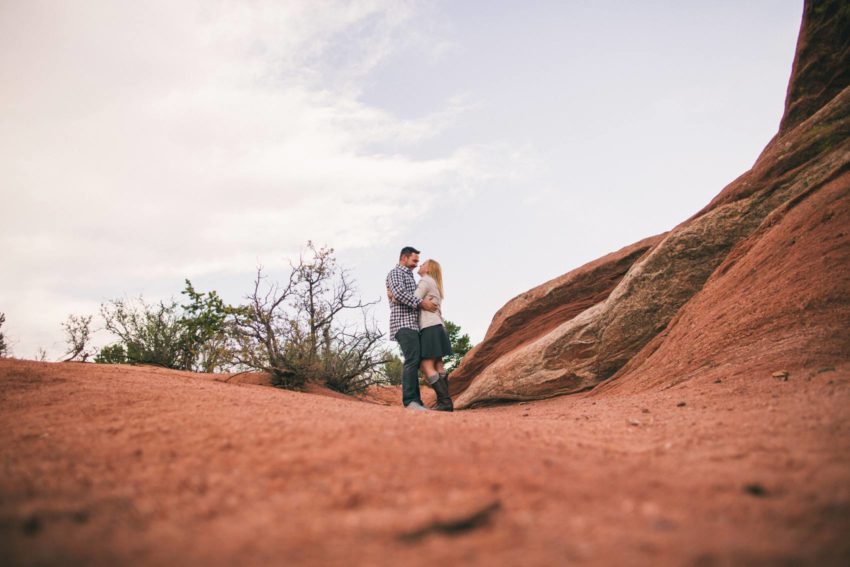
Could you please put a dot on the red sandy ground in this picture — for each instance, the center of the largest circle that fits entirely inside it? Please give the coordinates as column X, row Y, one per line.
column 118, row 465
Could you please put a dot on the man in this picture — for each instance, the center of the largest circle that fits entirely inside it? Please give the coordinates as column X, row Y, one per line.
column 404, row 323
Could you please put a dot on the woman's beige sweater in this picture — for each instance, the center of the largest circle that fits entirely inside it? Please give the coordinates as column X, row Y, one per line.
column 428, row 288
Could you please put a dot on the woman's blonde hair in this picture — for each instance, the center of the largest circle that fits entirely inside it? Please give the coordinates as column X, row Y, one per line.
column 436, row 272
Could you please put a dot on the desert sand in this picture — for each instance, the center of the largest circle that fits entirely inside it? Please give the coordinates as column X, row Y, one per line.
column 122, row 465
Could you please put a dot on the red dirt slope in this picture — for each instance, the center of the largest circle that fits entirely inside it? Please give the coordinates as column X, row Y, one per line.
column 116, row 465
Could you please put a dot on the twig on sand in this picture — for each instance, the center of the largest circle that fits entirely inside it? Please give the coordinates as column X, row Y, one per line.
column 455, row 526
column 238, row 373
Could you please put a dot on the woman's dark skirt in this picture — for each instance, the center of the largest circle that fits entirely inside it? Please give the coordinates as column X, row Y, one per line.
column 434, row 342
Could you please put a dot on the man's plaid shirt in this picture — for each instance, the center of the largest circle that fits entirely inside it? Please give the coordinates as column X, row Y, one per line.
column 404, row 311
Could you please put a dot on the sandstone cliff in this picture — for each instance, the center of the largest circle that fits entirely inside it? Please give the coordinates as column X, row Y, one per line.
column 759, row 273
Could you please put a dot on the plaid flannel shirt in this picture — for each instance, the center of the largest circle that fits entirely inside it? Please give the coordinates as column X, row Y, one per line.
column 404, row 311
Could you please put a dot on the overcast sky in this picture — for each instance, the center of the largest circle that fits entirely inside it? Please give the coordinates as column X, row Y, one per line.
column 142, row 143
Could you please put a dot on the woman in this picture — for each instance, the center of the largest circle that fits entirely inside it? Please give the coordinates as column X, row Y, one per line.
column 433, row 339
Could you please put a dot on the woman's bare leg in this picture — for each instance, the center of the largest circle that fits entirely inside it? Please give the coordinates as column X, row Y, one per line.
column 440, row 368
column 428, row 367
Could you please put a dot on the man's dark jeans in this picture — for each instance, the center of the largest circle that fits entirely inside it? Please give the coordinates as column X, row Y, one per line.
column 408, row 340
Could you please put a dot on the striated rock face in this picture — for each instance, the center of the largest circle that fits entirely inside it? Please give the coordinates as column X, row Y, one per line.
column 650, row 306
column 536, row 312
column 779, row 302
column 820, row 71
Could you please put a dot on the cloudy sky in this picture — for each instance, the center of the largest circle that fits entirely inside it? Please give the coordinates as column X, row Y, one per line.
column 142, row 143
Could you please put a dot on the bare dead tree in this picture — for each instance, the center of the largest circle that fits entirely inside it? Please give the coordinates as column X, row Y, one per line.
column 302, row 331
column 261, row 331
column 322, row 292
column 341, row 353
column 77, row 337
column 353, row 358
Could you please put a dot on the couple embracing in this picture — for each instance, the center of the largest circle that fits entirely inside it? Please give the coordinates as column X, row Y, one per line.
column 416, row 324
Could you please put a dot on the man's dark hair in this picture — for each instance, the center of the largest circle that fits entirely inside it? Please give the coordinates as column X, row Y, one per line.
column 407, row 251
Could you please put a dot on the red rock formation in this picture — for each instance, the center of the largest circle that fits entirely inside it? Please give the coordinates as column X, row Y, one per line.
column 538, row 311
column 682, row 277
column 821, row 70
column 779, row 302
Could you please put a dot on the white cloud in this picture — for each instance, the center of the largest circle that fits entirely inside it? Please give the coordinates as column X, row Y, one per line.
column 164, row 139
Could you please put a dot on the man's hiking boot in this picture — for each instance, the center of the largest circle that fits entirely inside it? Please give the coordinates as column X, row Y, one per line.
column 444, row 401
